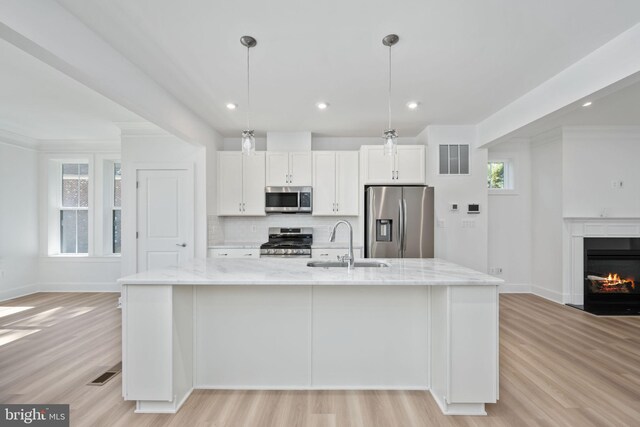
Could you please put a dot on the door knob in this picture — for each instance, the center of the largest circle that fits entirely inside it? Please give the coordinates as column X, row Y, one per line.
column 184, row 245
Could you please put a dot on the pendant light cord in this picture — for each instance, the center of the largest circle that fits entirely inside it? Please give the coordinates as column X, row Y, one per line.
column 389, row 88
column 248, row 92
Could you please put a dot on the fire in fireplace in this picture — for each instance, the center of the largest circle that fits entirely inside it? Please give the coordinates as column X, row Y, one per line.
column 611, row 270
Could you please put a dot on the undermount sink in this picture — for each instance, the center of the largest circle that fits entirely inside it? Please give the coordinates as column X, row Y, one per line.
column 328, row 264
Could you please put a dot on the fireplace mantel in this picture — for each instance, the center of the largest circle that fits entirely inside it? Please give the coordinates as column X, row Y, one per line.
column 575, row 230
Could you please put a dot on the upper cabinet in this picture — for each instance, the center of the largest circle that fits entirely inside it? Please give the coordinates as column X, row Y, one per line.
column 288, row 169
column 405, row 166
column 241, row 182
column 335, row 183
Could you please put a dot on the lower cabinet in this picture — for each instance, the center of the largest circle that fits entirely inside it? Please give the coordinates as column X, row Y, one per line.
column 234, row 253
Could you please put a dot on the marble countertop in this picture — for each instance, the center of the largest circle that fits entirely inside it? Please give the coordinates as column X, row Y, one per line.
column 284, row 271
column 236, row 245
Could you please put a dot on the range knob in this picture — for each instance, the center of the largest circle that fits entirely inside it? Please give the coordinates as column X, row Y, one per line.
column 271, row 251
column 299, row 251
column 289, row 251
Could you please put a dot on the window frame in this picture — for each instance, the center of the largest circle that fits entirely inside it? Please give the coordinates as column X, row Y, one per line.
column 509, row 177
column 100, row 207
column 54, row 203
column 62, row 208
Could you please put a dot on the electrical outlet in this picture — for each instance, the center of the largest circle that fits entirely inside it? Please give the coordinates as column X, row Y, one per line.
column 468, row 223
column 441, row 223
column 495, row 270
column 253, row 228
column 617, row 184
column 1, row 274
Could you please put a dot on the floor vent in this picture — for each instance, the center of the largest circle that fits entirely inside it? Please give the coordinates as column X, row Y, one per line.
column 104, row 378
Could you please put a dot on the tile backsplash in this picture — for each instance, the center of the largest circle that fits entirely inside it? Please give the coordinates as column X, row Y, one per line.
column 255, row 229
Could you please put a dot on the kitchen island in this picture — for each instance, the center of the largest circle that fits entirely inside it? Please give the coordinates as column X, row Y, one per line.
column 416, row 324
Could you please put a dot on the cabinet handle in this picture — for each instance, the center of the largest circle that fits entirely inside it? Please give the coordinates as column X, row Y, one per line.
column 240, row 207
column 337, row 207
column 324, row 254
column 222, row 254
column 244, row 205
column 248, row 254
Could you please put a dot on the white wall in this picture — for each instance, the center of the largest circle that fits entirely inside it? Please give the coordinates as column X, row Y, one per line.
column 18, row 220
column 510, row 219
column 594, row 159
column 459, row 237
column 546, row 216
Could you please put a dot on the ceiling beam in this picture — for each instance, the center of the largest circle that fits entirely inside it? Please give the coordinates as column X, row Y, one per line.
column 604, row 67
column 50, row 33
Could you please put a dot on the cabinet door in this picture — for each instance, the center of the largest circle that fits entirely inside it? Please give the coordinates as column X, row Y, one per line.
column 277, row 169
column 347, row 185
column 229, row 183
column 410, row 164
column 234, row 253
column 378, row 165
column 300, row 168
column 253, row 184
column 324, row 183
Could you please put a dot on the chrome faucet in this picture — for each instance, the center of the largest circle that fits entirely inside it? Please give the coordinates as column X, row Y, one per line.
column 332, row 237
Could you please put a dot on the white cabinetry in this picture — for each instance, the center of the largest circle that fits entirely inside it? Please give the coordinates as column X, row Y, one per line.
column 241, row 182
column 285, row 169
column 234, row 253
column 335, row 183
column 405, row 166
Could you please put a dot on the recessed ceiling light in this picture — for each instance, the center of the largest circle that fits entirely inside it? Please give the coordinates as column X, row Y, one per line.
column 586, row 104
column 412, row 105
column 322, row 105
column 231, row 106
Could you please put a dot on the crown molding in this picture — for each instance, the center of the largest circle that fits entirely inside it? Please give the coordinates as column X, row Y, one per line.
column 78, row 145
column 18, row 140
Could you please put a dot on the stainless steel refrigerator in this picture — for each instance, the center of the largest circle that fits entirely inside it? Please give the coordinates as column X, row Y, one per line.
column 399, row 222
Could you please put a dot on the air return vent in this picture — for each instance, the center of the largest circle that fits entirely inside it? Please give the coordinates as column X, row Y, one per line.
column 108, row 375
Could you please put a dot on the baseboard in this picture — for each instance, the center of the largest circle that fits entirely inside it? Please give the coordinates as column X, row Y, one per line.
column 18, row 292
column 79, row 287
column 548, row 294
column 514, row 288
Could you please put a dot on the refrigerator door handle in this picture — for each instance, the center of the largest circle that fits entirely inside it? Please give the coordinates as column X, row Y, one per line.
column 400, row 227
column 404, row 226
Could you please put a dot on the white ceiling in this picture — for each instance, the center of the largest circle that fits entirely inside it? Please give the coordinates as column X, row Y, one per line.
column 462, row 59
column 40, row 102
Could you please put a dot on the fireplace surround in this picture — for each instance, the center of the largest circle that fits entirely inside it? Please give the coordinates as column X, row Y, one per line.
column 612, row 275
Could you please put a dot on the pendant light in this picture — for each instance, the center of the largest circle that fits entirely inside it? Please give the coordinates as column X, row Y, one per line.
column 248, row 139
column 390, row 135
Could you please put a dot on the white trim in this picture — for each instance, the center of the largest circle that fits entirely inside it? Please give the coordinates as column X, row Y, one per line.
column 313, row 387
column 458, row 408
column 114, row 259
column 140, row 129
column 549, row 294
column 11, row 138
column 9, row 294
column 79, row 287
column 514, row 288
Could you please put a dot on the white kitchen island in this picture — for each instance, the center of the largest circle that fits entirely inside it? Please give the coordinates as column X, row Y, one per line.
column 419, row 324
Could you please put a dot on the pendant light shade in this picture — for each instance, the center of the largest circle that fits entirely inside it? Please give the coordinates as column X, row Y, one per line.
column 390, row 135
column 248, row 139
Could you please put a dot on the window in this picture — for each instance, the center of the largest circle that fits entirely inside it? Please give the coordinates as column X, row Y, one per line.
column 499, row 175
column 74, row 208
column 454, row 159
column 116, row 210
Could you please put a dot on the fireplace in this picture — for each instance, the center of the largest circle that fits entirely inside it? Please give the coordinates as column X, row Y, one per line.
column 612, row 276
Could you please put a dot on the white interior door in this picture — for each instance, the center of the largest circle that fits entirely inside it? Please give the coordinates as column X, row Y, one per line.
column 165, row 226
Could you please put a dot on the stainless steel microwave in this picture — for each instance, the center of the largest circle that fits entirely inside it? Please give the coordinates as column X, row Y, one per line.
column 288, row 200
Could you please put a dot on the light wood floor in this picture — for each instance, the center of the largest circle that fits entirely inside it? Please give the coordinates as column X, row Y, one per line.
column 559, row 366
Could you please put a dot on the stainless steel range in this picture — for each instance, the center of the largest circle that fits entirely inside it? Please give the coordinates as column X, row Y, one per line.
column 288, row 242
